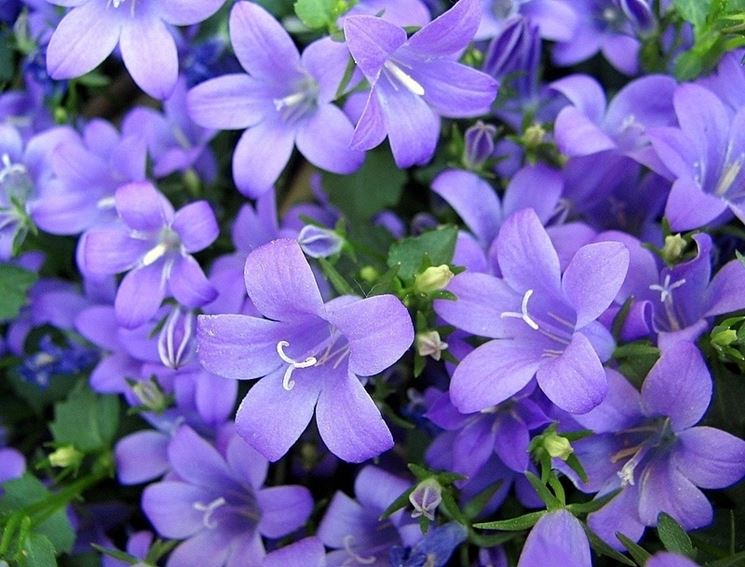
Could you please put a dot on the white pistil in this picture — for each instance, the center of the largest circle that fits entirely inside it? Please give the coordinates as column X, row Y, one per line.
column 287, row 382
column 404, row 78
column 9, row 168
column 154, row 254
column 523, row 312
column 208, row 510
column 348, row 543
column 288, row 101
column 667, row 288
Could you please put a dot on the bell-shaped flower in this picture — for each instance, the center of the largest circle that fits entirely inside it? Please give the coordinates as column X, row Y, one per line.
column 154, row 246
column 285, row 100
column 649, row 446
column 704, row 157
column 217, row 505
column 557, row 539
column 544, row 323
column 309, row 354
column 93, row 28
column 414, row 81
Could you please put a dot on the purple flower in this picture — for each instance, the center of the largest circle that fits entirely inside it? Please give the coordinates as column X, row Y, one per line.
column 545, row 323
column 310, row 354
column 308, row 552
column 648, row 445
column 154, row 245
column 414, row 81
column 400, row 12
column 353, row 527
column 12, row 464
column 557, row 539
column 704, row 157
column 93, row 28
column 285, row 100
column 665, row 559
column 216, row 503
column 555, row 19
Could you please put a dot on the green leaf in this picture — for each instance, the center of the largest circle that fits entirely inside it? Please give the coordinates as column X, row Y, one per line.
column 375, row 186
column 335, row 278
column 693, row 11
column 602, row 548
column 400, row 502
column 592, row 505
column 437, row 245
column 37, row 551
column 14, row 285
column 23, row 492
column 673, row 536
column 513, row 524
column 732, row 561
column 640, row 555
column 315, row 14
column 86, row 420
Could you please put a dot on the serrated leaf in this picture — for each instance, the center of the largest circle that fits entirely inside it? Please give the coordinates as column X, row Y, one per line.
column 86, row 420
column 315, row 14
column 673, row 536
column 513, row 524
column 438, row 245
column 640, row 555
column 14, row 285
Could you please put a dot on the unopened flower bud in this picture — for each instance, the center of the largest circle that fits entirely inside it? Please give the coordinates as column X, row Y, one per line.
column 673, row 249
column 433, row 278
column 429, row 343
column 176, row 338
column 534, row 136
column 67, row 456
column 557, row 446
column 318, row 242
column 369, row 274
column 479, row 140
column 724, row 338
column 425, row 498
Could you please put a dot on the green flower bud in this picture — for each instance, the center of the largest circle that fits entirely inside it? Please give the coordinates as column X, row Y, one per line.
column 557, row 446
column 673, row 248
column 433, row 278
column 67, row 456
column 429, row 343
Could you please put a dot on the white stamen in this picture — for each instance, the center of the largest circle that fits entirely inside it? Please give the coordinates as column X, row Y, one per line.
column 154, row 254
column 348, row 543
column 287, row 382
column 666, row 288
column 523, row 312
column 730, row 174
column 9, row 168
column 106, row 203
column 290, row 100
column 208, row 510
column 404, row 78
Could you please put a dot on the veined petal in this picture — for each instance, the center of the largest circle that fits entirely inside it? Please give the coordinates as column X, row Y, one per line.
column 593, row 278
column 688, row 207
column 142, row 207
column 261, row 44
column 280, row 282
column 271, row 418
column 198, row 462
column 371, row 41
column 83, row 39
column 196, row 226
column 710, row 458
column 348, row 420
column 370, row 130
column 455, row 90
column 726, row 292
column 378, row 329
column 450, row 32
column 230, row 102
column 492, row 373
column 678, row 386
column 149, row 53
column 575, row 380
column 110, row 251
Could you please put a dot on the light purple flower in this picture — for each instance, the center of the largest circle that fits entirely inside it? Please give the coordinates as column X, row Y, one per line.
column 555, row 18
column 93, row 28
column 216, row 503
column 12, row 464
column 284, row 101
column 154, row 245
column 544, row 323
column 557, row 539
column 704, row 157
column 310, row 355
column 308, row 552
column 648, row 445
column 416, row 80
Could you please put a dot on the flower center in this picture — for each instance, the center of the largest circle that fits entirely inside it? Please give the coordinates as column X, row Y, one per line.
column 660, row 436
column 353, row 555
column 167, row 240
column 558, row 329
column 287, row 382
column 207, row 520
column 300, row 103
column 403, row 78
column 14, row 180
column 666, row 298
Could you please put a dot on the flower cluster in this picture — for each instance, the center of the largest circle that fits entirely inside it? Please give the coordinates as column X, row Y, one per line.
column 398, row 283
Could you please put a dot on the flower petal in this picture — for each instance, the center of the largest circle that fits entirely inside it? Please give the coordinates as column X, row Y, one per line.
column 149, row 53
column 170, row 508
column 710, row 458
column 325, row 140
column 142, row 207
column 283, row 509
column 260, row 156
column 371, row 41
column 187, row 12
column 140, row 294
column 230, row 102
column 188, row 284
column 141, row 457
column 450, row 32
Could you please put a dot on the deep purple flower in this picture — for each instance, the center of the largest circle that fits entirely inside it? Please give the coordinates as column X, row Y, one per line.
column 648, row 445
column 154, row 245
column 353, row 529
column 93, row 28
column 310, row 354
column 285, row 100
column 704, row 157
column 544, row 323
column 666, row 559
column 216, row 503
column 12, row 464
column 416, row 80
